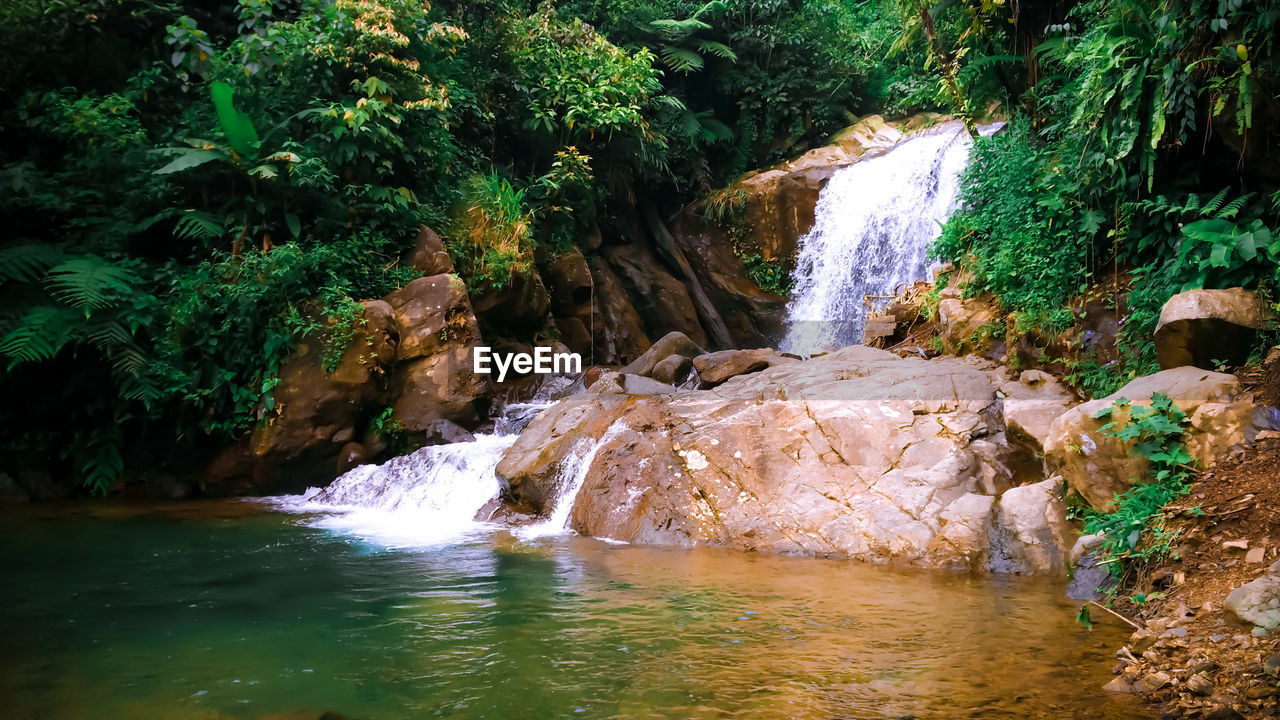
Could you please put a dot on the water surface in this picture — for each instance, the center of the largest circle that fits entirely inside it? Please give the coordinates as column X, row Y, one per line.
column 227, row 610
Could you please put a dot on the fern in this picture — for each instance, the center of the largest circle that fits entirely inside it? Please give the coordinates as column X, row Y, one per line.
column 89, row 282
column 41, row 333
column 28, row 262
column 196, row 225
column 103, row 463
column 682, row 60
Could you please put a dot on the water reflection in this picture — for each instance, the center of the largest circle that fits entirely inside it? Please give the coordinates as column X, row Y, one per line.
column 239, row 615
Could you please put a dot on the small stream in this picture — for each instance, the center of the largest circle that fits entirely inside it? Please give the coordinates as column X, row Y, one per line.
column 232, row 610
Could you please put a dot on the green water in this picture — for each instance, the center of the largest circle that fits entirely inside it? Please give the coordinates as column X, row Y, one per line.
column 224, row 610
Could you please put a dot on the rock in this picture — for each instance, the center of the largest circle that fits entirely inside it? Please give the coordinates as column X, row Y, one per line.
column 1258, row 601
column 1119, row 684
column 1204, row 327
column 967, row 325
column 1098, row 466
column 1272, row 666
column 314, row 413
column 858, row 453
column 672, row 370
column 444, row 431
column 662, row 301
column 753, row 317
column 569, row 285
column 1033, row 525
column 428, row 255
column 435, row 378
column 1032, row 404
column 1084, row 545
column 518, row 306
column 1089, row 580
column 641, row 385
column 714, row 368
column 1142, row 641
column 1200, row 684
column 619, row 332
column 673, row 343
column 1152, row 682
column 353, row 454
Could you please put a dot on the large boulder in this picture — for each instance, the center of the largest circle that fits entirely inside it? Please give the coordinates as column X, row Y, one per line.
column 1258, row 601
column 428, row 255
column 1099, row 466
column 717, row 367
column 673, row 343
column 967, row 325
column 618, row 332
column 857, row 454
column 434, row 377
column 663, row 302
column 1207, row 327
column 314, row 412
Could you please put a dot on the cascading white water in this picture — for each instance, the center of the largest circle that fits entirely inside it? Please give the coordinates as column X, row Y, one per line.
column 873, row 225
column 430, row 496
column 571, row 476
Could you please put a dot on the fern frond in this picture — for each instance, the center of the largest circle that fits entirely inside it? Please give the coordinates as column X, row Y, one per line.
column 104, row 463
column 680, row 59
column 40, row 335
column 1233, row 208
column 89, row 282
column 27, row 262
column 1215, row 203
column 196, row 225
column 718, row 49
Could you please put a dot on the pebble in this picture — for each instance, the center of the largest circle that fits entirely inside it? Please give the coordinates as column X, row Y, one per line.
column 1174, row 632
column 1256, row 556
column 1259, row 631
column 1272, row 666
column 1154, row 681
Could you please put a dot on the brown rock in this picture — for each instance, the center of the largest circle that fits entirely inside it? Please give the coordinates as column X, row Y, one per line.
column 619, row 332
column 858, row 453
column 673, row 343
column 569, row 283
column 428, row 255
column 1200, row 684
column 714, row 368
column 1098, row 466
column 673, row 370
column 1204, row 327
column 967, row 325
column 663, row 302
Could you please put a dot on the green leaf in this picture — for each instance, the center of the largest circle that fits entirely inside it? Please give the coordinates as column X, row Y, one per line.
column 295, row 225
column 237, row 126
column 187, row 158
column 1084, row 618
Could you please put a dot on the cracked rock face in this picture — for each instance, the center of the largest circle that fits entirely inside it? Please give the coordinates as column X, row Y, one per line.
column 856, row 454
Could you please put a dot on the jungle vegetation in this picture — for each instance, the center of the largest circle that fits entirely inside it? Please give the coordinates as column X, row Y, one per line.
column 191, row 186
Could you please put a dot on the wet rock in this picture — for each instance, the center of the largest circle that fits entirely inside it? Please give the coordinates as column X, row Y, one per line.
column 428, row 255
column 1033, row 520
column 672, row 370
column 673, row 343
column 520, row 304
column 1089, row 580
column 858, row 453
column 1141, row 641
column 569, row 285
column 1204, row 327
column 1258, row 601
column 1098, row 466
column 353, row 454
column 1120, row 684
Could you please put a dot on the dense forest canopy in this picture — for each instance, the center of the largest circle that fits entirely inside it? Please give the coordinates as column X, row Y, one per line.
column 192, row 187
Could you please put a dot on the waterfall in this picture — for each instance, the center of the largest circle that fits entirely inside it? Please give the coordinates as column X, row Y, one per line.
column 873, row 225
column 430, row 496
column 570, row 478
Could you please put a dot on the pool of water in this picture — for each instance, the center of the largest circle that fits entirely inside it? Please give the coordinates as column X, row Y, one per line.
column 230, row 610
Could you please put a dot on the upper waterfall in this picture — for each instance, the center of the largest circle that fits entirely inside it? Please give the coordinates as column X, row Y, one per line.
column 873, row 225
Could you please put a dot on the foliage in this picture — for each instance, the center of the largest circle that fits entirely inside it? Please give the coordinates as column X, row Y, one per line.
column 1135, row 527
column 493, row 234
